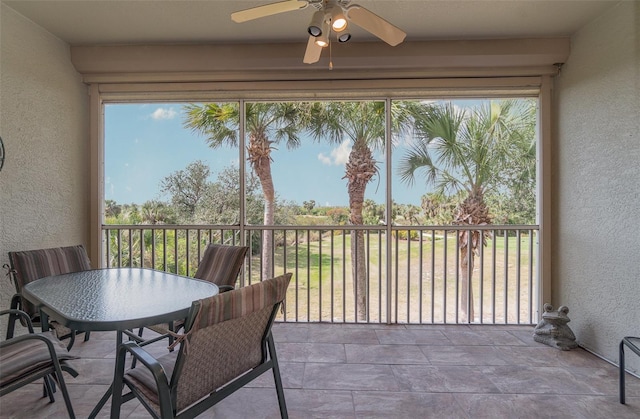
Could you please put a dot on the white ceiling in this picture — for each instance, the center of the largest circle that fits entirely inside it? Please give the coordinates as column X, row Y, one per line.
column 92, row 22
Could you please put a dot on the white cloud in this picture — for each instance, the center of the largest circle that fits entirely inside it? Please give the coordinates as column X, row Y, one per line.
column 338, row 156
column 164, row 113
column 341, row 154
column 324, row 159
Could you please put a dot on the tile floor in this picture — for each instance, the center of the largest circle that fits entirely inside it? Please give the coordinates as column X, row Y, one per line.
column 381, row 371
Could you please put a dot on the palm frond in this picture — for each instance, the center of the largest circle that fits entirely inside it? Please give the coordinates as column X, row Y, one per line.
column 217, row 122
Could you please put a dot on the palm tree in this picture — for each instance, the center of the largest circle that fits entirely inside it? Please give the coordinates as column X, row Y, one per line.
column 363, row 123
column 437, row 207
column 155, row 212
column 266, row 124
column 467, row 151
column 111, row 208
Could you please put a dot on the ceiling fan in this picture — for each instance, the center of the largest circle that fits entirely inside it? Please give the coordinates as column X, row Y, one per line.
column 331, row 15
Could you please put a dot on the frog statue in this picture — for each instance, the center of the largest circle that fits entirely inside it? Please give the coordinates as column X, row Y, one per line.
column 553, row 330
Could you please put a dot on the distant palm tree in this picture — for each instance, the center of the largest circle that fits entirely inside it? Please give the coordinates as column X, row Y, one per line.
column 468, row 151
column 111, row 208
column 364, row 124
column 266, row 124
column 437, row 208
column 155, row 212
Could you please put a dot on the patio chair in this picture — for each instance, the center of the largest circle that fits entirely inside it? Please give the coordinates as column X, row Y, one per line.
column 221, row 265
column 27, row 358
column 29, row 265
column 227, row 344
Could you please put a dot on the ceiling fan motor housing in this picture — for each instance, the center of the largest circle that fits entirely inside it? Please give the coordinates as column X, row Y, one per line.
column 330, row 13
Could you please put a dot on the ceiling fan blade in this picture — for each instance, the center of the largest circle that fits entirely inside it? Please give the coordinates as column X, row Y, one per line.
column 267, row 10
column 312, row 54
column 373, row 23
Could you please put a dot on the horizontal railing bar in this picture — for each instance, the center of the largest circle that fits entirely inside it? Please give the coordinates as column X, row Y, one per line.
column 316, row 227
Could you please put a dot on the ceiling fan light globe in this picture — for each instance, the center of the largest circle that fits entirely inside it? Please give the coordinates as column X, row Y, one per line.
column 343, row 36
column 338, row 19
column 316, row 24
column 339, row 25
column 314, row 31
column 322, row 41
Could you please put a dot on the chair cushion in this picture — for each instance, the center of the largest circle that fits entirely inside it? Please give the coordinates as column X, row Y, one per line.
column 62, row 332
column 28, row 356
column 221, row 264
column 230, row 349
column 29, row 265
column 142, row 379
column 243, row 301
column 34, row 264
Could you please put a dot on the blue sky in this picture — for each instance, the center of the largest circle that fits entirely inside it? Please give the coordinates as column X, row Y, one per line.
column 144, row 143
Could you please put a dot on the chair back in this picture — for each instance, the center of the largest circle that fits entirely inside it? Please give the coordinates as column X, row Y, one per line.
column 29, row 265
column 228, row 334
column 221, row 264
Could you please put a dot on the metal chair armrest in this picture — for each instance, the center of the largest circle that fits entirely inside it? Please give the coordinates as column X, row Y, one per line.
column 149, row 362
column 14, row 314
column 144, row 357
column 16, row 300
column 142, row 342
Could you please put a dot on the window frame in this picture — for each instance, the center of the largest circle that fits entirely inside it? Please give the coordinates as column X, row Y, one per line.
column 387, row 90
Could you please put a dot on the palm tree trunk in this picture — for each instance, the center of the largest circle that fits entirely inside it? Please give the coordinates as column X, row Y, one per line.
column 472, row 211
column 359, row 170
column 466, row 273
column 359, row 273
column 267, row 235
column 260, row 159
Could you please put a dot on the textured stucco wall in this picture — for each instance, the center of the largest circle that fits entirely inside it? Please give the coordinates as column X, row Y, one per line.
column 596, row 266
column 44, row 125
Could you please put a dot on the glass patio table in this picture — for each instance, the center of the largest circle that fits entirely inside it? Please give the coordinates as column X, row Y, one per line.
column 117, row 299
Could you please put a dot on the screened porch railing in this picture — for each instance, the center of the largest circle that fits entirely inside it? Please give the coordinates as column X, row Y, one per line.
column 415, row 278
